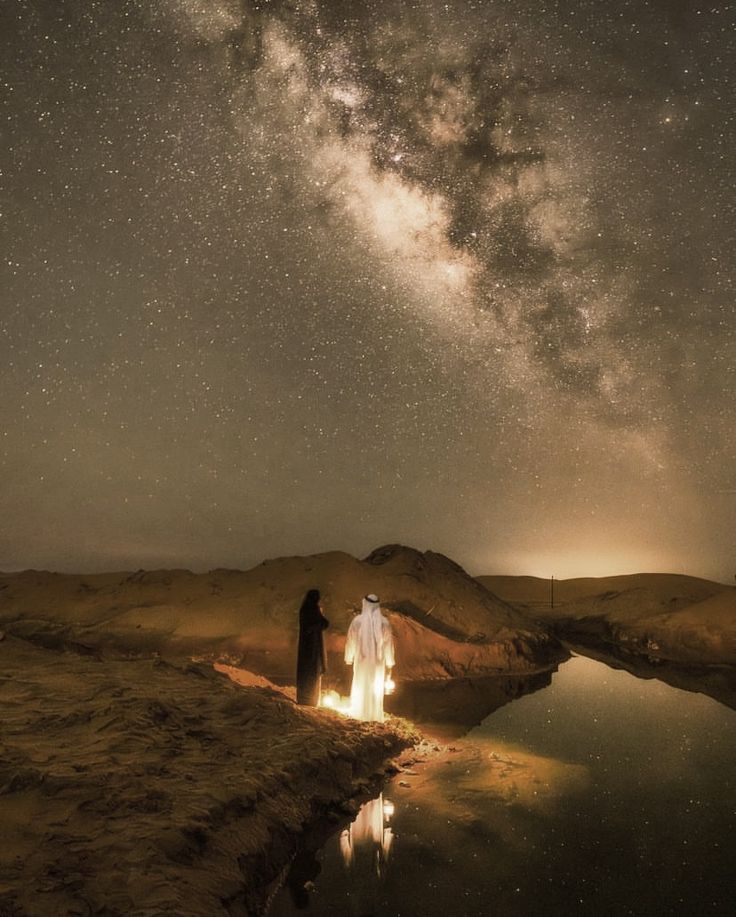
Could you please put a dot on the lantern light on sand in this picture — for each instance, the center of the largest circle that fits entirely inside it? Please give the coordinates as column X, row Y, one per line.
column 331, row 699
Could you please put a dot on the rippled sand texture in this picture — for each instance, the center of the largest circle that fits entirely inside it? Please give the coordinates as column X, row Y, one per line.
column 142, row 787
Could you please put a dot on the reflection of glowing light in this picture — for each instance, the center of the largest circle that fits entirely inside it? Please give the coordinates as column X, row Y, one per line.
column 368, row 839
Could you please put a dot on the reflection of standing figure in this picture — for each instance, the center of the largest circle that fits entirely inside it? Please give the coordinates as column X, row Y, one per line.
column 310, row 664
column 369, row 835
column 370, row 649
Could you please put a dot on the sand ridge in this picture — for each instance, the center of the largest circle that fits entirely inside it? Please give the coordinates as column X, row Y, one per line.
column 447, row 623
column 139, row 786
column 677, row 618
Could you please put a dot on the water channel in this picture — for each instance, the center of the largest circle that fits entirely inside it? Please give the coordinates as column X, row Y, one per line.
column 599, row 793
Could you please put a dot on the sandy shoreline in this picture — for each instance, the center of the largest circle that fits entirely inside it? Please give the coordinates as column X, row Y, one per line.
column 133, row 783
column 144, row 787
column 668, row 618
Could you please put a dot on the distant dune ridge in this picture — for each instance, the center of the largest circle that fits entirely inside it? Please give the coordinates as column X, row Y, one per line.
column 680, row 619
column 446, row 623
column 135, row 780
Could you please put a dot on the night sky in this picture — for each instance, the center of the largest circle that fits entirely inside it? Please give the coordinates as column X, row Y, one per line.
column 290, row 277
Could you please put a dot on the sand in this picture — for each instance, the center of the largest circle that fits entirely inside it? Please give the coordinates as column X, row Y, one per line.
column 678, row 619
column 148, row 762
column 150, row 765
column 640, row 592
column 141, row 787
column 446, row 623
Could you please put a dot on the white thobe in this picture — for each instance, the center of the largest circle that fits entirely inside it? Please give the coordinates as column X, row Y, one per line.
column 370, row 649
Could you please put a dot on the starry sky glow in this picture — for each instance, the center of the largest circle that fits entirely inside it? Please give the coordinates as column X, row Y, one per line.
column 283, row 277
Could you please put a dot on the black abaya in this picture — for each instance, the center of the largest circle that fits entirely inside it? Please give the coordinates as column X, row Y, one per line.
column 310, row 664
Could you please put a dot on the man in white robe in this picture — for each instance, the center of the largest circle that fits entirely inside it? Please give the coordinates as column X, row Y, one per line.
column 370, row 650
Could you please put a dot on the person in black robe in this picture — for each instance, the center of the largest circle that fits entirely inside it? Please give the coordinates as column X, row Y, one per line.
column 310, row 664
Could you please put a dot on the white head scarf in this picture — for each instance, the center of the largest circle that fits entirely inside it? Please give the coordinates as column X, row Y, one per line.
column 371, row 631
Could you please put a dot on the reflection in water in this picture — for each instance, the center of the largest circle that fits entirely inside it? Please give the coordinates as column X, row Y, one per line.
column 451, row 708
column 364, row 848
column 367, row 841
column 717, row 681
column 604, row 794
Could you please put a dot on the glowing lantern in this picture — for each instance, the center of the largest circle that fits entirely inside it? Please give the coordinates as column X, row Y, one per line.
column 331, row 699
column 389, row 685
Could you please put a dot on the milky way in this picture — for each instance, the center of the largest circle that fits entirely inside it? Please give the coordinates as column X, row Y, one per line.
column 289, row 277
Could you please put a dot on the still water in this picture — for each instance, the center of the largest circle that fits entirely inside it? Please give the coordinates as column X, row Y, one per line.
column 601, row 793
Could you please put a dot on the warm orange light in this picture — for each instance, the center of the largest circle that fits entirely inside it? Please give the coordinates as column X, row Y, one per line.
column 331, row 699
column 389, row 686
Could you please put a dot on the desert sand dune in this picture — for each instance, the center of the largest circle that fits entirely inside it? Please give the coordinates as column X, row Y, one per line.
column 138, row 787
column 702, row 632
column 681, row 619
column 654, row 589
column 446, row 622
column 144, row 769
column 134, row 780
